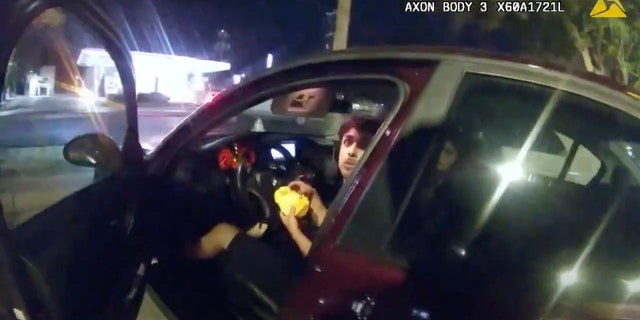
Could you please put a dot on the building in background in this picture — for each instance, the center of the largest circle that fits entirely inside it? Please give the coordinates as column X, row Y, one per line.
column 177, row 77
column 41, row 83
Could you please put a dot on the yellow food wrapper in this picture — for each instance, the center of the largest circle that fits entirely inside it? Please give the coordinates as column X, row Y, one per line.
column 286, row 198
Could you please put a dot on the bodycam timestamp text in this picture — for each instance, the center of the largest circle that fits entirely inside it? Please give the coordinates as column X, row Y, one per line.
column 484, row 6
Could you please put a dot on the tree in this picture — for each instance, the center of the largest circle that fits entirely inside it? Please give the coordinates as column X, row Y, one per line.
column 604, row 46
column 600, row 39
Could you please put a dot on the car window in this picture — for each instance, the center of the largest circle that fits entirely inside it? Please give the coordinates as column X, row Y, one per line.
column 562, row 219
column 45, row 106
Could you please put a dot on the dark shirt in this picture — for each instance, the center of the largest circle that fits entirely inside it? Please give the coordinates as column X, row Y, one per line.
column 286, row 248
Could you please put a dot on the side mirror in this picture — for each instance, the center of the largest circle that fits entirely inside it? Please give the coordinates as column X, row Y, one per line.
column 93, row 150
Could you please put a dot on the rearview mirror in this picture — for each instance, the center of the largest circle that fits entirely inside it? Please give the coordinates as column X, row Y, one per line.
column 366, row 97
column 311, row 102
column 93, row 150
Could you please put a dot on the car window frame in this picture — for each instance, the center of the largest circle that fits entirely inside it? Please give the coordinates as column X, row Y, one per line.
column 208, row 121
column 236, row 99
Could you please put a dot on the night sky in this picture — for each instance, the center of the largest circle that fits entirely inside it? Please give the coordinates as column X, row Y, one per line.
column 289, row 29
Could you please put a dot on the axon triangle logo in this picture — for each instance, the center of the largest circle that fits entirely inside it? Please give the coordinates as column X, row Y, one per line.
column 608, row 9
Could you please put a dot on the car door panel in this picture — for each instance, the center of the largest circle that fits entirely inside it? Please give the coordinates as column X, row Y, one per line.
column 78, row 245
column 338, row 276
column 19, row 294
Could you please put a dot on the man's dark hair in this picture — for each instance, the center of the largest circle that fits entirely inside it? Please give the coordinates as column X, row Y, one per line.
column 366, row 126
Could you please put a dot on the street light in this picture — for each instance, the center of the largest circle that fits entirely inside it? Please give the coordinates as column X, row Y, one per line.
column 269, row 60
column 237, row 78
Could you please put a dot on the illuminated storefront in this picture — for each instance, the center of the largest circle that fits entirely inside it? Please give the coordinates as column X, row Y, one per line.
column 178, row 77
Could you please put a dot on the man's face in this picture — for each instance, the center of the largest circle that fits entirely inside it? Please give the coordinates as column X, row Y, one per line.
column 351, row 150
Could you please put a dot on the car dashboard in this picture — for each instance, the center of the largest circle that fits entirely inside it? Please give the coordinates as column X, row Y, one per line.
column 212, row 164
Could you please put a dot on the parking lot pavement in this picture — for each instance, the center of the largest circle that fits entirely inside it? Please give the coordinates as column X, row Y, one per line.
column 29, row 189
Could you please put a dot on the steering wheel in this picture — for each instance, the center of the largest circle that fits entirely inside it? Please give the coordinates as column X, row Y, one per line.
column 255, row 189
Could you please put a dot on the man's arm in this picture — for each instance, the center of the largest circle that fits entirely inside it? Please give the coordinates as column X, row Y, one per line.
column 303, row 243
column 290, row 222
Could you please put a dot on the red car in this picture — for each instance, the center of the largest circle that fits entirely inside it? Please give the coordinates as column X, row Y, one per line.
column 495, row 188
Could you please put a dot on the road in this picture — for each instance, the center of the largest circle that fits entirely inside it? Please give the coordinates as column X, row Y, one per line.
column 56, row 120
column 33, row 174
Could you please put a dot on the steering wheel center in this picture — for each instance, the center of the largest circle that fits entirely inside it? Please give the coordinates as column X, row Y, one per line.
column 255, row 188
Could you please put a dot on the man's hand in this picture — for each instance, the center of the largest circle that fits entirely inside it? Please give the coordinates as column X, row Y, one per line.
column 303, row 188
column 290, row 221
column 318, row 209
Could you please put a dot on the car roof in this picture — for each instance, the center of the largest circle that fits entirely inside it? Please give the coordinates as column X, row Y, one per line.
column 471, row 55
column 593, row 86
column 590, row 85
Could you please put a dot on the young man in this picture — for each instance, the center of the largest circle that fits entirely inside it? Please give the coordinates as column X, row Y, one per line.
column 273, row 267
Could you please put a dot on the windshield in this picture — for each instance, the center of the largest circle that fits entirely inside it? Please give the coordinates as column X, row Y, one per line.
column 315, row 110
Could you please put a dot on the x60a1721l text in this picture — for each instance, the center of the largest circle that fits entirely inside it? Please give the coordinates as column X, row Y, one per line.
column 529, row 6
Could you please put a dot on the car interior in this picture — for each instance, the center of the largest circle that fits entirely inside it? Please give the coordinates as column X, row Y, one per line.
column 242, row 162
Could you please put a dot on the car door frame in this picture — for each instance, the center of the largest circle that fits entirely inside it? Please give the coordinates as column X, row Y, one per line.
column 316, row 296
column 17, row 16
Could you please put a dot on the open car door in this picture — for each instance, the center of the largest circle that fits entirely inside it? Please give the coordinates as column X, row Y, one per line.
column 73, row 257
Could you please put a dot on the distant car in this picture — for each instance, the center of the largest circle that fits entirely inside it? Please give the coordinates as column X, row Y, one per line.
column 153, row 97
column 535, row 215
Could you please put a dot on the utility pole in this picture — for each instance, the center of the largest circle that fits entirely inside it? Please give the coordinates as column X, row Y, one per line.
column 330, row 30
column 222, row 47
column 342, row 25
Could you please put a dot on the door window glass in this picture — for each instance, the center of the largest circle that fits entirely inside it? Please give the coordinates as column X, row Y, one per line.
column 556, row 229
column 57, row 87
